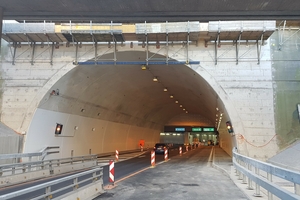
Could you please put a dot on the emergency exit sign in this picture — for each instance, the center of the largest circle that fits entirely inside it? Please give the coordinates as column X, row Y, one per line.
column 196, row 129
column 209, row 129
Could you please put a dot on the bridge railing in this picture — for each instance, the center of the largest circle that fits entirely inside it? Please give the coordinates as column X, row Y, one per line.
column 71, row 187
column 251, row 170
column 21, row 172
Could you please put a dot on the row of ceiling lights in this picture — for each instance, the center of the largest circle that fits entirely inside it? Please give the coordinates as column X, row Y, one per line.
column 155, row 79
column 218, row 118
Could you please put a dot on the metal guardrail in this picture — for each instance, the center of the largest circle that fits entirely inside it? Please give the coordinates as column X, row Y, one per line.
column 244, row 166
column 96, row 176
column 12, row 169
column 40, row 155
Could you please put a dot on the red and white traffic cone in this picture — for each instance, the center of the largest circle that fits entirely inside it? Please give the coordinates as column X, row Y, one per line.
column 180, row 151
column 152, row 158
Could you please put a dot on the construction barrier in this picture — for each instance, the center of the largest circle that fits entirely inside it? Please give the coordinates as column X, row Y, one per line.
column 180, row 151
column 153, row 158
column 117, row 155
column 111, row 171
column 166, row 154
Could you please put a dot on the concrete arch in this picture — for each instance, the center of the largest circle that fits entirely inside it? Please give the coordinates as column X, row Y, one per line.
column 44, row 96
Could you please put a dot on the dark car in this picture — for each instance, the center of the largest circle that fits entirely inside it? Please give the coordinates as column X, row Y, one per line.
column 159, row 148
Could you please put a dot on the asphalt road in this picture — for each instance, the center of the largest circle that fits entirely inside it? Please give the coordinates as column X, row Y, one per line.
column 188, row 177
column 122, row 169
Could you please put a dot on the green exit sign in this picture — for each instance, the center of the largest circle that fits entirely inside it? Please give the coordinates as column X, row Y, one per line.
column 209, row 129
column 196, row 129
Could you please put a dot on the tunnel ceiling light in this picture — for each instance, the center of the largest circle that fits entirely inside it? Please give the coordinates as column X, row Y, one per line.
column 180, row 106
column 93, row 129
column 82, row 110
column 143, row 67
column 155, row 79
column 183, row 109
column 186, row 112
column 171, row 96
column 176, row 101
column 217, row 115
column 217, row 108
column 221, row 114
column 165, row 89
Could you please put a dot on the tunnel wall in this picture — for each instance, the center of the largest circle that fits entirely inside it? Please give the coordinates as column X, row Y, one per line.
column 82, row 134
column 245, row 89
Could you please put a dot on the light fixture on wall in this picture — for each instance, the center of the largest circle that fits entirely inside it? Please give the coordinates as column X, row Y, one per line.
column 143, row 67
column 180, row 106
column 171, row 96
column 176, row 101
column 183, row 109
column 165, row 89
column 58, row 128
column 93, row 129
column 155, row 79
column 82, row 110
column 186, row 112
column 75, row 127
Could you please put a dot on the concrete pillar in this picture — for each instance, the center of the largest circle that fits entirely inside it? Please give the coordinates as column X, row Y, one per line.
column 1, row 21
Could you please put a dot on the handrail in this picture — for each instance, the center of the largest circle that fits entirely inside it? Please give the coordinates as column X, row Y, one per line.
column 244, row 166
column 47, row 186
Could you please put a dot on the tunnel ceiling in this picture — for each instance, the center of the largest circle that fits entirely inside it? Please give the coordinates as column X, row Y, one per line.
column 144, row 10
column 127, row 94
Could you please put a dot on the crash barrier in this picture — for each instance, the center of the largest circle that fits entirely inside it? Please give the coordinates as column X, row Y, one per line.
column 245, row 166
column 20, row 157
column 84, row 185
column 21, row 172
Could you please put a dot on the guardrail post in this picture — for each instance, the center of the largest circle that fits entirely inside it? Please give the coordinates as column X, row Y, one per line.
column 47, row 191
column 23, row 168
column 75, row 184
column 51, row 167
column 94, row 177
column 240, row 173
column 270, row 195
column 1, row 171
column 250, row 187
column 297, row 188
column 13, row 170
column 244, row 176
column 257, row 187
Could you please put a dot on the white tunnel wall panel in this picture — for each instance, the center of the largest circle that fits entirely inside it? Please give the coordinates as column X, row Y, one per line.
column 80, row 134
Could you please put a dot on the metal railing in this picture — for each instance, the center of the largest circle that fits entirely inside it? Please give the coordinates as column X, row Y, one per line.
column 70, row 184
column 245, row 166
column 17, row 168
column 17, row 157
